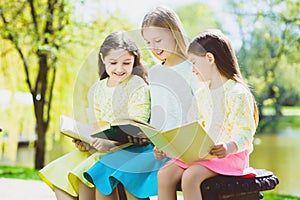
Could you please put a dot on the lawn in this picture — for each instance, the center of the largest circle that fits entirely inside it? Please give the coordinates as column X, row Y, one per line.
column 272, row 124
column 24, row 173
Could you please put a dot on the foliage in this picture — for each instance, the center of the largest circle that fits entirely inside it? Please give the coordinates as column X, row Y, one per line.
column 268, row 56
column 36, row 32
column 196, row 17
column 45, row 46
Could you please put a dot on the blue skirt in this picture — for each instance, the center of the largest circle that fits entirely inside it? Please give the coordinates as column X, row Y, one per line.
column 135, row 167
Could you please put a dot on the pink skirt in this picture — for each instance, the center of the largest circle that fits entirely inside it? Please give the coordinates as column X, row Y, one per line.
column 232, row 165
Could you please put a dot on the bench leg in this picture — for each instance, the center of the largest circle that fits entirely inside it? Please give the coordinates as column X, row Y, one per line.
column 261, row 196
column 121, row 192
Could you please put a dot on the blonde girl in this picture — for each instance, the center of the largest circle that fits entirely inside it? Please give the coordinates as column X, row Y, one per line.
column 171, row 95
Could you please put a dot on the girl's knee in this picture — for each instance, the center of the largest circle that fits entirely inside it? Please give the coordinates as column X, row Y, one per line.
column 194, row 176
column 190, row 179
column 163, row 177
column 168, row 176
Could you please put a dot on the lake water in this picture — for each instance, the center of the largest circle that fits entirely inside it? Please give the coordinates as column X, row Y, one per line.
column 279, row 153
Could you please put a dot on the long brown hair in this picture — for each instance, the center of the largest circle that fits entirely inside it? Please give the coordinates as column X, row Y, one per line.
column 216, row 43
column 121, row 40
column 163, row 17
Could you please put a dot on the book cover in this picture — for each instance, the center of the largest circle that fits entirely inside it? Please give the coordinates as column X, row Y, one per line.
column 187, row 143
column 123, row 131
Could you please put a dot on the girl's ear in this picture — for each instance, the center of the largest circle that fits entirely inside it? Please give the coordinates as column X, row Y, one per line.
column 210, row 57
column 101, row 56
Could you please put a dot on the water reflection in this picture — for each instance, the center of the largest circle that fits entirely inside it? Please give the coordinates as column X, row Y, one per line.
column 280, row 154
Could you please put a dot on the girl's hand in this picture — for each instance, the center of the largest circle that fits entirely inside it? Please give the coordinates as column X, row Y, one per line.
column 102, row 144
column 222, row 149
column 158, row 154
column 82, row 146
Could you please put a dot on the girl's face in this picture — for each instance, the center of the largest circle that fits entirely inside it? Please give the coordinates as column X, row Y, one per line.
column 118, row 65
column 160, row 40
column 202, row 66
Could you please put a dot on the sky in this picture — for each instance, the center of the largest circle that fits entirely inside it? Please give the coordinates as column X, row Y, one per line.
column 135, row 10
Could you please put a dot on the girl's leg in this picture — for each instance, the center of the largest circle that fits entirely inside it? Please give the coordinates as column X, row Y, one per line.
column 192, row 178
column 62, row 195
column 168, row 177
column 85, row 192
column 113, row 196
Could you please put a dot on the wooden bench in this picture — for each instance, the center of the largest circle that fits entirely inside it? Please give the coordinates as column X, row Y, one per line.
column 231, row 187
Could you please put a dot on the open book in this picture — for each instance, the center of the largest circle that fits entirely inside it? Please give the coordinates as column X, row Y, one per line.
column 187, row 143
column 123, row 131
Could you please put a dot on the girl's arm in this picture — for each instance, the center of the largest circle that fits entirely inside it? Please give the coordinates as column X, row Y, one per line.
column 139, row 104
column 103, row 144
column 82, row 146
column 241, row 120
column 222, row 150
column 159, row 154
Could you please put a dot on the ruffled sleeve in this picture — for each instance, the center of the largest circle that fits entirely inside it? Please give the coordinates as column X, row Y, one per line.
column 92, row 113
column 240, row 118
column 139, row 103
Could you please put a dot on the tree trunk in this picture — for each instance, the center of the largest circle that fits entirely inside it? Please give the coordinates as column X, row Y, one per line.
column 40, row 144
column 40, row 110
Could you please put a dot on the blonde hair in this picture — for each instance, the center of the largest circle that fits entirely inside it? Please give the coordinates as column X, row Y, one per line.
column 164, row 17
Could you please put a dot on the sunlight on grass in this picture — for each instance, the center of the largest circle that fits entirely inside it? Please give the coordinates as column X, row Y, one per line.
column 19, row 173
column 286, row 111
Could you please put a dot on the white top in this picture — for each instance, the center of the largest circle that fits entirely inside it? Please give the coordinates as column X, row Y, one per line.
column 171, row 90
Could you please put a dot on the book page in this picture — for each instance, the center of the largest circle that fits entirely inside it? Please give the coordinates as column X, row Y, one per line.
column 156, row 138
column 74, row 129
column 188, row 143
column 129, row 121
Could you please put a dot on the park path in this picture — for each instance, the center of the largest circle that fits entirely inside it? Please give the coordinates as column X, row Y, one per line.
column 15, row 189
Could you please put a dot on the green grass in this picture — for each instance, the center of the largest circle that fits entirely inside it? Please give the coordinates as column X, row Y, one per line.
column 272, row 123
column 286, row 110
column 24, row 173
column 277, row 124
column 272, row 196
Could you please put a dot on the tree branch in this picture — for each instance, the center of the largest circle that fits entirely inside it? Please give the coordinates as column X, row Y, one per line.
column 51, row 89
column 33, row 16
column 15, row 43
